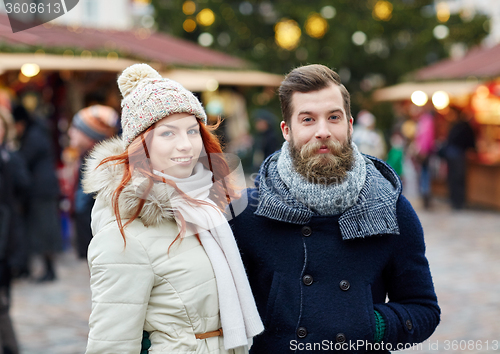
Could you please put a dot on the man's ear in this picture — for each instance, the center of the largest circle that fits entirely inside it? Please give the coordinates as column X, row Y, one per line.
column 285, row 130
column 350, row 125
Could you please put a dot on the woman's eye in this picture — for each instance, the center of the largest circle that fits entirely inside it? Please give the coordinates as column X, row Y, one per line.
column 167, row 134
column 193, row 131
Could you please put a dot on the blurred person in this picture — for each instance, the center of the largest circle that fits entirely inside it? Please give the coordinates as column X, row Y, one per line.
column 18, row 254
column 42, row 205
column 368, row 140
column 266, row 139
column 14, row 181
column 88, row 127
column 460, row 139
column 163, row 259
column 396, row 154
column 334, row 252
column 423, row 148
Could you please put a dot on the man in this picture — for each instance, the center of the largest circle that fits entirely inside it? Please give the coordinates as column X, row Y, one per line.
column 369, row 140
column 266, row 141
column 89, row 126
column 333, row 251
column 43, row 224
column 459, row 142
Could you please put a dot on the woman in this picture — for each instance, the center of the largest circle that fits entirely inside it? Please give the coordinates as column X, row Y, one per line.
column 163, row 258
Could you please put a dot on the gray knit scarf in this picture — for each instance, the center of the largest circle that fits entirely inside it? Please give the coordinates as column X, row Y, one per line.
column 323, row 199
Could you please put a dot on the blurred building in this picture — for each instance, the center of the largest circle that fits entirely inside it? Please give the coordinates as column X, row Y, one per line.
column 109, row 14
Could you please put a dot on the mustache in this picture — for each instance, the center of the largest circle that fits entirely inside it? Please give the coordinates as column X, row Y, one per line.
column 312, row 148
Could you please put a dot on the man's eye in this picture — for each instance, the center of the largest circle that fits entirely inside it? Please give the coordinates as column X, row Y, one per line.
column 335, row 117
column 308, row 119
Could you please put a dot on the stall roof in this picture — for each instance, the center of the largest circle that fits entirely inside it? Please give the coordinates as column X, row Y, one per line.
column 404, row 90
column 10, row 61
column 197, row 80
column 479, row 63
column 159, row 47
column 192, row 79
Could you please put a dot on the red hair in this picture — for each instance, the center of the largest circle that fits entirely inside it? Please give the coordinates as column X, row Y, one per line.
column 136, row 158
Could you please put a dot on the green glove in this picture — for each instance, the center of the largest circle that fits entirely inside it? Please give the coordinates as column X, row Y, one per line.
column 379, row 327
column 146, row 343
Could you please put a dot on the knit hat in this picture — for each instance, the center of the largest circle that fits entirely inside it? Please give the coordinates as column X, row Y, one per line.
column 148, row 98
column 97, row 122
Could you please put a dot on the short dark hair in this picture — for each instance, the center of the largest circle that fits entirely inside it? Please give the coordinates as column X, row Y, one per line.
column 21, row 114
column 306, row 79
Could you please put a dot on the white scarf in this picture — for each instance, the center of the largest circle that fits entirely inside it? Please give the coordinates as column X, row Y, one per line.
column 238, row 312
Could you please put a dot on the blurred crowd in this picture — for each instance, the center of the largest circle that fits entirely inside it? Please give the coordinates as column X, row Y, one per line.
column 425, row 147
column 42, row 207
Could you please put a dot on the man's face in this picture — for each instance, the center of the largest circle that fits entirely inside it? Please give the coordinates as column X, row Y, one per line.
column 318, row 116
column 319, row 135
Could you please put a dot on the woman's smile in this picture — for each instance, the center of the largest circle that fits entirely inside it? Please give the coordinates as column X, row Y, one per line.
column 182, row 160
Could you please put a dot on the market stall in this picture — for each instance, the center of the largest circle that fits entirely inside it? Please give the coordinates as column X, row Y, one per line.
column 471, row 86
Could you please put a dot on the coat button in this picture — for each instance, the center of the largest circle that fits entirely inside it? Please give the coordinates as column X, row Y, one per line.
column 306, row 231
column 344, row 285
column 340, row 338
column 409, row 325
column 307, row 279
column 301, row 332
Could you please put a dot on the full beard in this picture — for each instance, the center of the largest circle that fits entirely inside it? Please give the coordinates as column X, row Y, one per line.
column 328, row 168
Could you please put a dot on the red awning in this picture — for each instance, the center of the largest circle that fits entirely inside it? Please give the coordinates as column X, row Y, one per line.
column 158, row 47
column 479, row 63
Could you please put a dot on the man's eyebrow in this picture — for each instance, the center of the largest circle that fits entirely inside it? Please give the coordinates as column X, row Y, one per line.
column 336, row 110
column 332, row 111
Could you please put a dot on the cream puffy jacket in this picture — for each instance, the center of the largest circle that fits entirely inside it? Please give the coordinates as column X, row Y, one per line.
column 171, row 294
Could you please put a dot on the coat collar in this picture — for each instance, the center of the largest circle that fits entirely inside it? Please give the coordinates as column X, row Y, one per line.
column 373, row 214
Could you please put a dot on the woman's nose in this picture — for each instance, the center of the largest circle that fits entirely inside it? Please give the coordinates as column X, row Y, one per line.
column 184, row 143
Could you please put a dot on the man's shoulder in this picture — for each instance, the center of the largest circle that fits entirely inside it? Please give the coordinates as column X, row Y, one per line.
column 409, row 223
column 405, row 210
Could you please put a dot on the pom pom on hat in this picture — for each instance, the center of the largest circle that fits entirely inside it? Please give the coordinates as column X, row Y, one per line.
column 148, row 98
column 132, row 75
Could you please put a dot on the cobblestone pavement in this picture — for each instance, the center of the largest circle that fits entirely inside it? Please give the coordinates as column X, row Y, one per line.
column 463, row 250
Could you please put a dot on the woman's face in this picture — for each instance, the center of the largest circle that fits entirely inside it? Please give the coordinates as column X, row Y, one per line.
column 176, row 145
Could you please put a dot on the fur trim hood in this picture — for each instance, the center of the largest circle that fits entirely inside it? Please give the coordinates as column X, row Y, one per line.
column 102, row 181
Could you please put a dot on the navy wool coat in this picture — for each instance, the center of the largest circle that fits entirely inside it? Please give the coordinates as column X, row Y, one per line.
column 317, row 280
